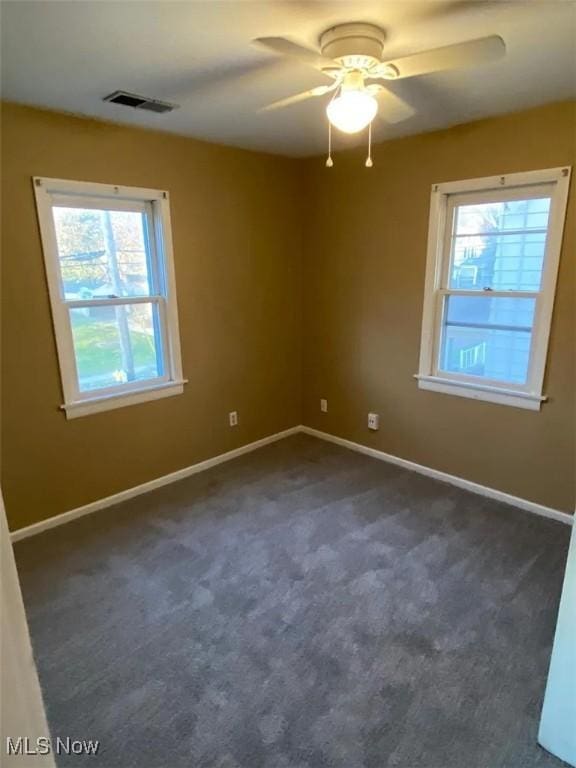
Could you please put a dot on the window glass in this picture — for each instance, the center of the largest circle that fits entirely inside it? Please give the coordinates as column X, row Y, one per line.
column 116, row 344
column 488, row 337
column 102, row 253
column 491, row 274
column 499, row 245
column 109, row 266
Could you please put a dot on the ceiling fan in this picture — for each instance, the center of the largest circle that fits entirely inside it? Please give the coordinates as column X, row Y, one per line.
column 352, row 56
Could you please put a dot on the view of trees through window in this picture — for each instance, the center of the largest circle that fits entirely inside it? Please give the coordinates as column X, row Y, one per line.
column 495, row 247
column 104, row 254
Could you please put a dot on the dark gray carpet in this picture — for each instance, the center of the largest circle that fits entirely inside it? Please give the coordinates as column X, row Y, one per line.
column 300, row 607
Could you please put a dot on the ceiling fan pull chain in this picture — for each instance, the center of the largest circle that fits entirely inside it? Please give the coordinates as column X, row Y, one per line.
column 329, row 161
column 369, row 162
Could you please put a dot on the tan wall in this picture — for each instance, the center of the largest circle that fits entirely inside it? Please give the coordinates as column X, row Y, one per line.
column 365, row 252
column 237, row 220
column 237, row 241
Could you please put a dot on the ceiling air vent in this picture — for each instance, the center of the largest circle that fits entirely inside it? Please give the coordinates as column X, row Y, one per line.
column 139, row 102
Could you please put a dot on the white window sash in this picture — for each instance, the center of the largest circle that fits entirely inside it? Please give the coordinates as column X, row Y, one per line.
column 112, row 204
column 154, row 204
column 488, row 294
column 504, row 193
column 112, row 301
column 155, row 301
column 99, row 203
column 553, row 183
column 442, row 296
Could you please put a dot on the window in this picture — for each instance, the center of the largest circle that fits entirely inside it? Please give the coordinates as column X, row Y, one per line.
column 108, row 257
column 493, row 252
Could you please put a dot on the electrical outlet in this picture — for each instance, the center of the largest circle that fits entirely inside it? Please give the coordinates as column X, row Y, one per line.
column 324, row 405
column 233, row 418
column 373, row 421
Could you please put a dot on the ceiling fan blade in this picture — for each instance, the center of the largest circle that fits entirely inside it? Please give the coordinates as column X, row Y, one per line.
column 286, row 47
column 468, row 54
column 320, row 90
column 392, row 108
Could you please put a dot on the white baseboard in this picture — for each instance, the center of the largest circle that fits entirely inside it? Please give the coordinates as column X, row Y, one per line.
column 137, row 490
column 180, row 474
column 460, row 482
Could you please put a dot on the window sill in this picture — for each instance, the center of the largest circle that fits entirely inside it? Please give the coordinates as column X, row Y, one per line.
column 120, row 400
column 498, row 395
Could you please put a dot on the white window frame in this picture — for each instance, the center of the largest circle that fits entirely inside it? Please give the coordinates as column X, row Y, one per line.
column 443, row 199
column 155, row 204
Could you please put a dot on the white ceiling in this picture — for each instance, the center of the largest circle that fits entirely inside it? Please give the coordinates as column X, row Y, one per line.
column 68, row 55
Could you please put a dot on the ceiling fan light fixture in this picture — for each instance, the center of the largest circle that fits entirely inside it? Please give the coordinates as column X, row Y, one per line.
column 352, row 111
column 388, row 72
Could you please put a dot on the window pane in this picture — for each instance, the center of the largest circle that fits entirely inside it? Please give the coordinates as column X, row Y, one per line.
column 102, row 253
column 490, row 310
column 487, row 337
column 499, row 245
column 116, row 344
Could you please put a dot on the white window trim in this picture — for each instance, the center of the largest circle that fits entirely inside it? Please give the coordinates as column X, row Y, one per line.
column 529, row 396
column 172, row 383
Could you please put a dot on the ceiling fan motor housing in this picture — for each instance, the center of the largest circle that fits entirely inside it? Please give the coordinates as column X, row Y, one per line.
column 354, row 46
